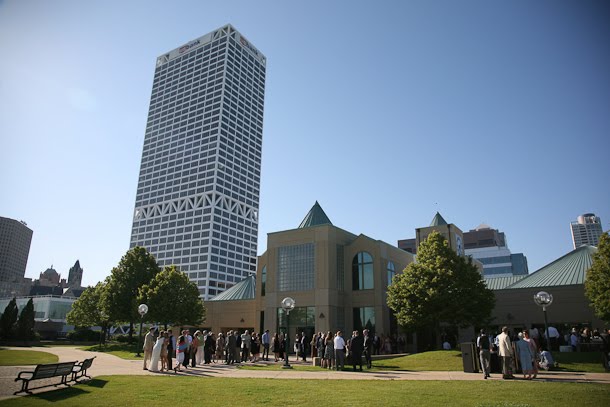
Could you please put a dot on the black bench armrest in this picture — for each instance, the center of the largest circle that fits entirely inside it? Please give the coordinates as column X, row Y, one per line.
column 23, row 378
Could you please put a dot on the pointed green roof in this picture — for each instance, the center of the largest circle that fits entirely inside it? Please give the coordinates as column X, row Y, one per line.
column 315, row 217
column 244, row 290
column 566, row 270
column 438, row 220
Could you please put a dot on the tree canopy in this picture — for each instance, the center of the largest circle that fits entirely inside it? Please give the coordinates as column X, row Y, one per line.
column 597, row 283
column 136, row 268
column 89, row 310
column 172, row 298
column 25, row 324
column 8, row 320
column 441, row 287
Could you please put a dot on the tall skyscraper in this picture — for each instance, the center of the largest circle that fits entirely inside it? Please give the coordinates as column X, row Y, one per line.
column 586, row 230
column 15, row 239
column 197, row 201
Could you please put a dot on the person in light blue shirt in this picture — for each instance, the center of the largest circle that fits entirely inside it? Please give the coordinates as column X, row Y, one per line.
column 266, row 341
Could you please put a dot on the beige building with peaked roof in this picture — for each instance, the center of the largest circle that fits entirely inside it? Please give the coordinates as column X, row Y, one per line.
column 338, row 280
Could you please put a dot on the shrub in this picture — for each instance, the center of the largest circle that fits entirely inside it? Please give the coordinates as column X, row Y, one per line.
column 121, row 338
column 84, row 335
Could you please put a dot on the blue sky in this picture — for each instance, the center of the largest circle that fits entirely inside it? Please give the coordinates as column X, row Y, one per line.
column 384, row 112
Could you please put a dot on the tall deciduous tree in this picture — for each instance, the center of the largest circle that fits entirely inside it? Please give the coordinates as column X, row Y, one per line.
column 172, row 298
column 8, row 320
column 136, row 269
column 88, row 310
column 441, row 287
column 25, row 324
column 597, row 283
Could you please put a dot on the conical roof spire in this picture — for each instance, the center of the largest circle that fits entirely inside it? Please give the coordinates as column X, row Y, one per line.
column 438, row 220
column 315, row 217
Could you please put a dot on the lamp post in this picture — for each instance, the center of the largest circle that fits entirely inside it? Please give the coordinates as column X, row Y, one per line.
column 142, row 310
column 287, row 305
column 544, row 299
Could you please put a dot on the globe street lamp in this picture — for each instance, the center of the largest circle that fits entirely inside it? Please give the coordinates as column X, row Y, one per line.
column 142, row 310
column 287, row 306
column 544, row 300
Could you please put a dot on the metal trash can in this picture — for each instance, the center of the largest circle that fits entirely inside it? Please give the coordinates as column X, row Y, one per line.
column 469, row 357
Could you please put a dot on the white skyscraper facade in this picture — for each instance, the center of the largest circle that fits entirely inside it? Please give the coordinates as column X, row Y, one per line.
column 197, row 200
column 586, row 230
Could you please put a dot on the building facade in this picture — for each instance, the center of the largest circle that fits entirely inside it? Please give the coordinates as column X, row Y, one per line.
column 338, row 280
column 197, row 200
column 49, row 313
column 15, row 240
column 486, row 246
column 489, row 246
column 563, row 278
column 586, row 231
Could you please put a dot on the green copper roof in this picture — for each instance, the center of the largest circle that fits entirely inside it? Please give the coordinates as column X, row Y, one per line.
column 500, row 283
column 567, row 270
column 315, row 217
column 244, row 290
column 438, row 220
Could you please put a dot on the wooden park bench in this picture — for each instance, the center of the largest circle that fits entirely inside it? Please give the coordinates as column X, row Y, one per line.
column 45, row 371
column 80, row 369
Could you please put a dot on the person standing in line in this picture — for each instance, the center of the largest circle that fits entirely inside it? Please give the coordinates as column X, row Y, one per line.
column 156, row 353
column 329, row 351
column 282, row 339
column 505, row 350
column 220, row 347
column 574, row 340
column 188, row 339
column 484, row 346
column 356, row 348
column 246, row 343
column 339, row 345
column 296, row 346
column 164, row 361
column 368, row 348
column 149, row 343
column 525, row 356
column 304, row 345
column 266, row 344
column 236, row 355
column 231, row 348
column 171, row 348
column 181, row 348
column 534, row 350
column 276, row 347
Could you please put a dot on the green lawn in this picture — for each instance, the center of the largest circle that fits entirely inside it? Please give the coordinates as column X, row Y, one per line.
column 122, row 350
column 443, row 360
column 579, row 361
column 25, row 357
column 146, row 391
column 438, row 360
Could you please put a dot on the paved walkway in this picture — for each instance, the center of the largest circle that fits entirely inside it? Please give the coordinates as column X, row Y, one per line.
column 106, row 364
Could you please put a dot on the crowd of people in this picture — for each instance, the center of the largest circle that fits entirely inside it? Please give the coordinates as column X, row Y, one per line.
column 529, row 349
column 203, row 347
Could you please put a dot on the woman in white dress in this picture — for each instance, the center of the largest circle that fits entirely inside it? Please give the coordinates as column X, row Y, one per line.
column 156, row 353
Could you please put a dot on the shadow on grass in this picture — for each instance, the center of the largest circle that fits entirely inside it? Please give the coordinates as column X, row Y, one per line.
column 69, row 392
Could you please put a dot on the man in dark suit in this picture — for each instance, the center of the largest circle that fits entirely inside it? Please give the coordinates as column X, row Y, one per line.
column 356, row 348
column 368, row 348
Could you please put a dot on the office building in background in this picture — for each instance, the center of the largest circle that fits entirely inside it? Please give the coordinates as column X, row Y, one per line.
column 15, row 240
column 197, row 201
column 586, row 231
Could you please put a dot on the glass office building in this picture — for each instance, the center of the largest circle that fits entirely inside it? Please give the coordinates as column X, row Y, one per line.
column 197, row 200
